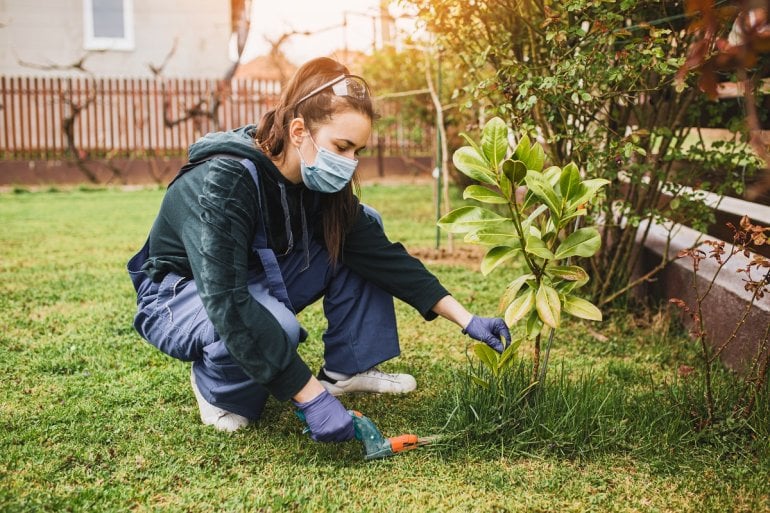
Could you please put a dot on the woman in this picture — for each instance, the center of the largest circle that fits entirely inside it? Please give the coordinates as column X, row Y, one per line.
column 260, row 224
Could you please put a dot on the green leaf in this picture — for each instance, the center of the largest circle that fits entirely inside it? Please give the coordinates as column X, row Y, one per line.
column 487, row 355
column 473, row 144
column 552, row 175
column 508, row 357
column 566, row 287
column 514, row 170
column 537, row 247
column 522, row 149
column 588, row 190
column 572, row 215
column 496, row 257
column 468, row 219
column 579, row 307
column 480, row 382
column 513, row 290
column 473, row 165
column 531, row 218
column 583, row 242
column 507, row 189
column 483, row 194
column 501, row 234
column 494, row 142
column 567, row 272
column 530, row 199
column 569, row 182
column 544, row 191
column 534, row 324
column 536, row 158
column 520, row 307
column 548, row 305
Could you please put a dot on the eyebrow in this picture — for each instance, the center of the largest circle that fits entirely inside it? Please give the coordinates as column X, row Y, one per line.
column 351, row 143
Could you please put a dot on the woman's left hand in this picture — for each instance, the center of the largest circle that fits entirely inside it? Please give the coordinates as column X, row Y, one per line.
column 489, row 330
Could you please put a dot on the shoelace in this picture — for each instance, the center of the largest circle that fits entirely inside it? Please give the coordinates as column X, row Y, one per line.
column 377, row 373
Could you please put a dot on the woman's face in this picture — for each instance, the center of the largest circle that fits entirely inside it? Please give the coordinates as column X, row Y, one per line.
column 346, row 134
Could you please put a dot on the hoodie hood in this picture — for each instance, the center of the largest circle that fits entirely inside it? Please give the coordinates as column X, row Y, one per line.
column 280, row 198
column 238, row 142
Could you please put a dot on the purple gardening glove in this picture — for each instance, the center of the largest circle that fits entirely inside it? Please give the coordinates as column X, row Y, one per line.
column 489, row 330
column 327, row 419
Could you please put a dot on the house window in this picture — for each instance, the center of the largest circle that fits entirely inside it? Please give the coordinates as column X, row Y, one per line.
column 109, row 24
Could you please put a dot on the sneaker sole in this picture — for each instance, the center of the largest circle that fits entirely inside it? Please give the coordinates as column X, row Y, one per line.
column 228, row 422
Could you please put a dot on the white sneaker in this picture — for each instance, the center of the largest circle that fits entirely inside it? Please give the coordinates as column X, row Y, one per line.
column 373, row 380
column 211, row 415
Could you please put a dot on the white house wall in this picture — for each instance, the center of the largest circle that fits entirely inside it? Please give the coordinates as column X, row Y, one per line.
column 49, row 33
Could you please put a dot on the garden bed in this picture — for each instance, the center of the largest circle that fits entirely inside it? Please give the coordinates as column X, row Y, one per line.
column 725, row 307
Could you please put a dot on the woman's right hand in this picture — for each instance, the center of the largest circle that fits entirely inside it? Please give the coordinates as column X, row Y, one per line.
column 327, row 419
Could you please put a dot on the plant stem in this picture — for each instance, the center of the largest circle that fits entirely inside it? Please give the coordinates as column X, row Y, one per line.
column 758, row 382
column 513, row 207
column 536, row 359
column 544, row 367
column 738, row 326
column 702, row 338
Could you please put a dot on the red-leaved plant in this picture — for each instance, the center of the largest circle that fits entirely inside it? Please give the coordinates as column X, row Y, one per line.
column 756, row 280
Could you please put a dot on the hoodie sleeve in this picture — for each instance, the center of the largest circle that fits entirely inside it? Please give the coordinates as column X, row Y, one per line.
column 388, row 265
column 218, row 245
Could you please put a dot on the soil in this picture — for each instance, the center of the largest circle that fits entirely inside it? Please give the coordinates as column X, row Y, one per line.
column 466, row 256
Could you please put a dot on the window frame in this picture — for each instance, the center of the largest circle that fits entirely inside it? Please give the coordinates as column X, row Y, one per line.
column 91, row 42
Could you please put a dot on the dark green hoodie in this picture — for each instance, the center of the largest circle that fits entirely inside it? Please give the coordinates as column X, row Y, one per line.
column 205, row 228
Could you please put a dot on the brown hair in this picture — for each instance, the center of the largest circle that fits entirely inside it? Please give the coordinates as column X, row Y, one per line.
column 338, row 209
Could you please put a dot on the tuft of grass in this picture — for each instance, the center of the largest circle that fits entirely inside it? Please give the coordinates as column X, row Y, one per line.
column 579, row 415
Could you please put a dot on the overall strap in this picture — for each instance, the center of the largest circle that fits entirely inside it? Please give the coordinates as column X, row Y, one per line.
column 259, row 246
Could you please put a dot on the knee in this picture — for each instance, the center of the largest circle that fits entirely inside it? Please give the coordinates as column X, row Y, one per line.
column 285, row 317
column 291, row 327
column 371, row 212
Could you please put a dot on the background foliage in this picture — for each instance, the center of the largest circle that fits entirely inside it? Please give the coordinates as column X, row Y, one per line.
column 594, row 80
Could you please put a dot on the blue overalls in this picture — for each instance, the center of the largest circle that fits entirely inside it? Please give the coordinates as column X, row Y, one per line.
column 361, row 330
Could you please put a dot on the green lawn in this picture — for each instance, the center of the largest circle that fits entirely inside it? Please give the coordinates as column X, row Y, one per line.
column 94, row 419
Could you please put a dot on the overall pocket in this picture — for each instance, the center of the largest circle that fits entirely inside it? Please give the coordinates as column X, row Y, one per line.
column 174, row 320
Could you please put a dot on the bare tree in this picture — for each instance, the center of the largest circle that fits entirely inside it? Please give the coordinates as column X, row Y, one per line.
column 205, row 107
column 75, row 108
column 444, row 164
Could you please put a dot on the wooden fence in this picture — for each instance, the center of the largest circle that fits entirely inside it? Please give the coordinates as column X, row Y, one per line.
column 47, row 117
column 50, row 118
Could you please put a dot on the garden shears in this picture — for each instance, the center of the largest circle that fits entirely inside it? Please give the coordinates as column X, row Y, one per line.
column 376, row 445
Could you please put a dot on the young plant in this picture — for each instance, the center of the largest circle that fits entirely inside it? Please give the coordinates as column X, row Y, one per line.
column 540, row 225
column 496, row 363
column 746, row 239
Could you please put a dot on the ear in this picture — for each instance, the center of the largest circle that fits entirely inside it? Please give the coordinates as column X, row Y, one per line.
column 296, row 131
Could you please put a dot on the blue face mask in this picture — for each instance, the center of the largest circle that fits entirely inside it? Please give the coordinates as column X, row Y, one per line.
column 330, row 173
